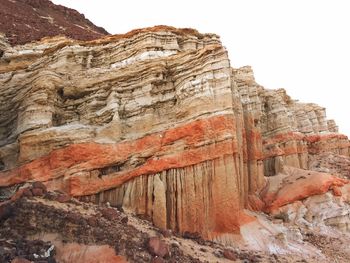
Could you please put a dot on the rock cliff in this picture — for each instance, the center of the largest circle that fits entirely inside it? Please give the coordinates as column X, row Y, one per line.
column 156, row 121
column 147, row 121
column 290, row 131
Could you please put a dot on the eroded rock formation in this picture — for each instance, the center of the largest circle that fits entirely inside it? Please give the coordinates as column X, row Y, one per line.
column 290, row 130
column 157, row 122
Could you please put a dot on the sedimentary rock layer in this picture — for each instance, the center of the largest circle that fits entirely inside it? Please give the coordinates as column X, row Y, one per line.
column 155, row 121
column 289, row 130
column 151, row 112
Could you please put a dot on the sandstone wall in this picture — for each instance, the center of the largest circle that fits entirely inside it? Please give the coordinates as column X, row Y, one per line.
column 289, row 130
column 155, row 121
column 149, row 121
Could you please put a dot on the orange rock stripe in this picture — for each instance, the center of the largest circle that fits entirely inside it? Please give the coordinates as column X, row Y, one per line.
column 322, row 137
column 301, row 189
column 88, row 156
column 79, row 185
column 308, row 145
column 289, row 136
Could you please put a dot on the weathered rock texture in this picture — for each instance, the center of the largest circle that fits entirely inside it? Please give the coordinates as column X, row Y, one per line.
column 155, row 121
column 42, row 229
column 290, row 130
column 26, row 20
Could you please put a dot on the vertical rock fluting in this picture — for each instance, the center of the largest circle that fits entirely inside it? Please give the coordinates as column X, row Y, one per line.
column 149, row 121
column 200, row 198
column 155, row 121
column 290, row 130
column 248, row 91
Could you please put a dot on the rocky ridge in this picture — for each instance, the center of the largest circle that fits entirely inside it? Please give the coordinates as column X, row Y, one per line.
column 158, row 123
column 23, row 21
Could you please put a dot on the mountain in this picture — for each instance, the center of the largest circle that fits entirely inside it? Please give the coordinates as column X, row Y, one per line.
column 24, row 21
column 156, row 123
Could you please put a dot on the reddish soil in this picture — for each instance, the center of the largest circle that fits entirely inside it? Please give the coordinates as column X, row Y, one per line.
column 24, row 21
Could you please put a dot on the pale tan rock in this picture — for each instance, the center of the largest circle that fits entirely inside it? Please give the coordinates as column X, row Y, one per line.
column 159, row 206
column 289, row 130
column 155, row 121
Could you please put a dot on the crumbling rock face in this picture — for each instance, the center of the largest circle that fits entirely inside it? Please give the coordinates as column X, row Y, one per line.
column 288, row 130
column 3, row 44
column 310, row 199
column 315, row 206
column 23, row 21
column 154, row 121
column 297, row 184
column 328, row 162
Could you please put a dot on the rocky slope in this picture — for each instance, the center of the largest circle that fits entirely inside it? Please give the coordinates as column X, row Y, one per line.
column 43, row 226
column 158, row 123
column 23, row 21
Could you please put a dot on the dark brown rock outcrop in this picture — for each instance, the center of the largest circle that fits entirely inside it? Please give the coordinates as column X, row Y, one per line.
column 26, row 20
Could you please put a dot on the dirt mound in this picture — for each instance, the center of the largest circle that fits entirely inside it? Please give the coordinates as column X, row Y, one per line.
column 26, row 20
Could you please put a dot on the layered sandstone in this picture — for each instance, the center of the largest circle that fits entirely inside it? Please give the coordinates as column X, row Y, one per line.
column 147, row 121
column 290, row 131
column 157, row 122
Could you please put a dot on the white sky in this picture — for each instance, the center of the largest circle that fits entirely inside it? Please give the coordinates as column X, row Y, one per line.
column 300, row 45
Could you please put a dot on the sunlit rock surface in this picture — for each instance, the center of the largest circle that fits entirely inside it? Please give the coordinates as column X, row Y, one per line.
column 157, row 122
